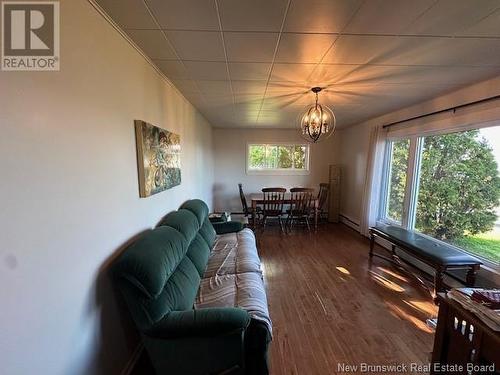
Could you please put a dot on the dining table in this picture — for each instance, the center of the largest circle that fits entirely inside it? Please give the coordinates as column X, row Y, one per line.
column 258, row 199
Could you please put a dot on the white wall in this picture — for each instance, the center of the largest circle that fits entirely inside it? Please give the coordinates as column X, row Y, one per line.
column 353, row 153
column 70, row 198
column 230, row 164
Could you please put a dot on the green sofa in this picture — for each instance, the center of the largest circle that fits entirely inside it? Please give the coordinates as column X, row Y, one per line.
column 196, row 294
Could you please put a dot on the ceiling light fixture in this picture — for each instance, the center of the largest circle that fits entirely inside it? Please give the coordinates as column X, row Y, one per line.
column 318, row 121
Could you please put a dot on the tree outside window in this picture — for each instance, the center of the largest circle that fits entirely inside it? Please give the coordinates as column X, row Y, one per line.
column 277, row 157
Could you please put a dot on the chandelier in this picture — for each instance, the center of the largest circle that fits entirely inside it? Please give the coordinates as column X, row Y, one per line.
column 318, row 121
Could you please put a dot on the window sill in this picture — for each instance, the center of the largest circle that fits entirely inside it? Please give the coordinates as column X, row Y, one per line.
column 278, row 172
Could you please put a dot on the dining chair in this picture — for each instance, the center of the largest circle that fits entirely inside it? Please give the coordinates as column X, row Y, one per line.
column 243, row 199
column 324, row 190
column 272, row 205
column 247, row 211
column 301, row 200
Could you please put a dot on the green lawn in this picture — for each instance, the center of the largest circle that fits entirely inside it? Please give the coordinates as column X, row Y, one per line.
column 486, row 245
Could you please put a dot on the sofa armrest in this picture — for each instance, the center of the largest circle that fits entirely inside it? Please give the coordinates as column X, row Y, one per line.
column 227, row 227
column 209, row 322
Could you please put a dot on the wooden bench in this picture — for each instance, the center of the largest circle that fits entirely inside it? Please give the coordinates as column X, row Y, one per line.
column 440, row 256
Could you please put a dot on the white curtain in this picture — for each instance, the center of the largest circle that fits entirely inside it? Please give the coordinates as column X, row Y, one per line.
column 373, row 182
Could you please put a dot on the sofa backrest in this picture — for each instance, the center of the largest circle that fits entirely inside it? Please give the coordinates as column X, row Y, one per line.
column 162, row 270
column 200, row 210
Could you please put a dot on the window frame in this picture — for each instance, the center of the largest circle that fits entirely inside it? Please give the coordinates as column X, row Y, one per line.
column 278, row 171
column 416, row 147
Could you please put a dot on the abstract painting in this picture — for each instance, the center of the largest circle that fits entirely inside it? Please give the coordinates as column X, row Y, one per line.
column 158, row 158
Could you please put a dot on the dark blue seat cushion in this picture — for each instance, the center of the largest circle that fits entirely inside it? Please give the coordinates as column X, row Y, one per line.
column 428, row 250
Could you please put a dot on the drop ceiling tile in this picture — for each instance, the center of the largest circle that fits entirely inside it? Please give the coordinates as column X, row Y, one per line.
column 386, row 16
column 291, row 72
column 222, row 99
column 270, row 114
column 250, row 47
column 186, row 86
column 488, row 26
column 326, row 74
column 449, row 17
column 252, row 106
column 277, row 118
column 252, row 100
column 207, row 70
column 129, row 14
column 185, row 14
column 363, row 75
column 286, row 88
column 303, row 48
column 369, row 74
column 195, row 98
column 153, row 43
column 375, row 49
column 255, row 15
column 246, row 115
column 249, row 87
column 210, row 88
column 249, row 71
column 320, row 16
column 217, row 107
column 173, row 69
column 197, row 45
column 480, row 52
column 293, row 103
column 219, row 121
column 406, row 50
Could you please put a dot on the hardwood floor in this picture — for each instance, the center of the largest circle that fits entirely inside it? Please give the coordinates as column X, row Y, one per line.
column 330, row 307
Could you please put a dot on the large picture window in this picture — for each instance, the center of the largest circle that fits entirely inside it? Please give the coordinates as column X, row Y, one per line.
column 398, row 153
column 278, row 158
column 447, row 186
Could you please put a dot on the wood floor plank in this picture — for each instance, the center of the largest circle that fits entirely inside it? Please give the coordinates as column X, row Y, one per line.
column 330, row 305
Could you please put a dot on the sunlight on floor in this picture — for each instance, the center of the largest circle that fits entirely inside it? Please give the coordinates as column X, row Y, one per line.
column 386, row 283
column 343, row 270
column 401, row 314
column 393, row 274
column 271, row 268
column 425, row 307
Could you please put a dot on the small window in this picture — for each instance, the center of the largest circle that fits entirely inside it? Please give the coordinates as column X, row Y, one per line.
column 278, row 158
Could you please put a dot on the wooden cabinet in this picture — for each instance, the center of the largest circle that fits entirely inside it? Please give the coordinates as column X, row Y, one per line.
column 334, row 196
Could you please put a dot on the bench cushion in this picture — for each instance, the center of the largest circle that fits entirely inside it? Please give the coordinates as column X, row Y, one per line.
column 424, row 248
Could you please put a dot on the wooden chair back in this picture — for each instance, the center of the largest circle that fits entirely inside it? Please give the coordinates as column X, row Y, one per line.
column 324, row 189
column 273, row 200
column 243, row 200
column 301, row 201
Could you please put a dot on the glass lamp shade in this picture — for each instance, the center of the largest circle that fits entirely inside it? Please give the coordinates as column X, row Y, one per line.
column 317, row 123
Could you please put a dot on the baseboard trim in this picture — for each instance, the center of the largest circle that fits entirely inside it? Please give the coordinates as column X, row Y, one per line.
column 129, row 367
column 349, row 222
